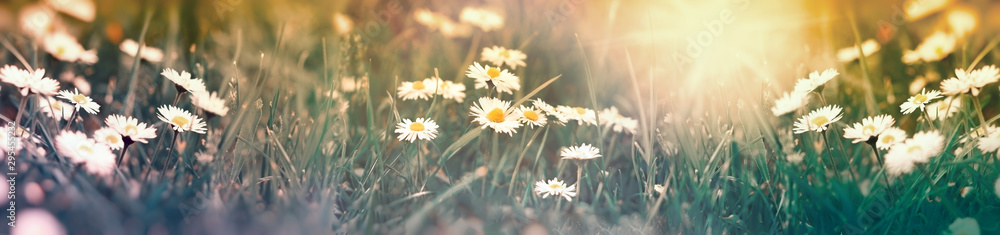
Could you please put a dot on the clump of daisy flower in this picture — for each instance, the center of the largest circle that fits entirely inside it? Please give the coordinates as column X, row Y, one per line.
column 849, row 54
column 490, row 77
column 29, row 82
column 555, row 187
column 109, row 137
column 183, row 81
column 424, row 129
column 442, row 23
column 96, row 158
column 818, row 119
column 789, row 102
column 921, row 148
column 500, row 56
column 151, row 54
column 582, row 152
column 80, row 101
column 416, row 90
column 579, row 114
column 966, row 225
column 815, row 80
column 869, row 129
column 618, row 123
column 532, row 117
column 943, row 108
column 970, row 81
column 181, row 120
column 486, row 20
column 497, row 114
column 210, row 102
column 919, row 101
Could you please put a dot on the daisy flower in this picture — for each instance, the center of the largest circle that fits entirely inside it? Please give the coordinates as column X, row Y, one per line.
column 204, row 157
column 150, row 54
column 869, row 128
column 37, row 221
column 495, row 113
column 487, row 76
column 815, row 80
column 579, row 114
column 56, row 109
column 934, row 48
column 611, row 118
column 450, row 90
column 36, row 20
column 659, row 189
column 80, row 101
column 424, row 129
column 109, row 137
column 486, row 20
column 550, row 111
column 891, row 136
column 555, row 187
column 183, row 81
column 531, row 117
column 789, row 102
column 849, row 54
column 415, row 90
column 210, row 102
column 130, row 128
column 991, row 142
column 63, row 46
column 964, row 226
column 943, row 108
column 920, row 149
column 996, row 187
column 919, row 101
column 970, row 81
column 500, row 56
column 96, row 158
column 818, row 119
column 81, row 9
column 582, row 152
column 29, row 81
column 180, row 119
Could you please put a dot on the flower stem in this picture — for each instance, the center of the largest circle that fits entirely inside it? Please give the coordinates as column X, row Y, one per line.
column 979, row 111
column 827, row 148
column 20, row 111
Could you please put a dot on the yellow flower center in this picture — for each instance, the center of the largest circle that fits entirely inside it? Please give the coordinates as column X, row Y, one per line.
column 580, row 111
column 868, row 130
column 60, row 51
column 79, row 99
column 131, row 129
column 939, row 51
column 919, row 99
column 111, row 139
column 180, row 121
column 416, row 126
column 418, row 85
column 819, row 121
column 531, row 115
column 555, row 186
column 888, row 139
column 496, row 115
column 56, row 106
column 85, row 149
column 914, row 148
column 493, row 72
column 505, row 54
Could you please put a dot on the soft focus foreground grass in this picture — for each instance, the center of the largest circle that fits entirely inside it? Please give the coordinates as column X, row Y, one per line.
column 294, row 159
